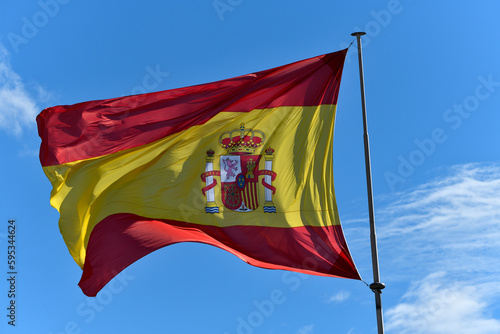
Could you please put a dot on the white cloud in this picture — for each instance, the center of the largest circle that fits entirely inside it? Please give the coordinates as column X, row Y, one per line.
column 451, row 224
column 435, row 306
column 444, row 236
column 306, row 330
column 339, row 297
column 26, row 151
column 18, row 108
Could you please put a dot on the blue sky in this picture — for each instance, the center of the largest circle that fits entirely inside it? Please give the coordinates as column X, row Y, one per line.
column 433, row 98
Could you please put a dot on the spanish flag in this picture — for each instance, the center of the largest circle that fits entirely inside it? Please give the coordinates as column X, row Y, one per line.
column 244, row 164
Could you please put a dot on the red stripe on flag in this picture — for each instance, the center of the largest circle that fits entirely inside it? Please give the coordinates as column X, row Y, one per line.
column 96, row 128
column 121, row 239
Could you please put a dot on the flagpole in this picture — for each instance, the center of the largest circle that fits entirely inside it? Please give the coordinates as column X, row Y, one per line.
column 376, row 286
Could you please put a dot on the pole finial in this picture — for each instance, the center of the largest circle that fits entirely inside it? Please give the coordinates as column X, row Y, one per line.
column 359, row 33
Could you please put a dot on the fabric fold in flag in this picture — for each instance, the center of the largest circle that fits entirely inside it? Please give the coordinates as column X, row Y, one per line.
column 243, row 164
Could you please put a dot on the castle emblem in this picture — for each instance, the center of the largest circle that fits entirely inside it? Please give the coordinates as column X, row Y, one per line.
column 239, row 172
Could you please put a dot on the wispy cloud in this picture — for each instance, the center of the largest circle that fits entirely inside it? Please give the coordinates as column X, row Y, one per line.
column 444, row 236
column 451, row 223
column 18, row 108
column 434, row 305
column 339, row 297
column 306, row 330
column 26, row 151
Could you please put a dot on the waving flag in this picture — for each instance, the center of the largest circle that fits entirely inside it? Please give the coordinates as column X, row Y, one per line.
column 244, row 164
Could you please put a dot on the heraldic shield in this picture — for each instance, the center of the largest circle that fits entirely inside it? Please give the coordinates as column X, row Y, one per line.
column 239, row 173
column 239, row 179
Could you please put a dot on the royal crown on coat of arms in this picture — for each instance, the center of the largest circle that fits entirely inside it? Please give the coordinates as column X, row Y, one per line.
column 239, row 172
column 242, row 141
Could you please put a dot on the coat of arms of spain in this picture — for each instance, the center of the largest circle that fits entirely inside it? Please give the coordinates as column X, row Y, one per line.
column 239, row 172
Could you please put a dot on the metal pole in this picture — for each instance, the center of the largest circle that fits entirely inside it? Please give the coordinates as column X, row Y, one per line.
column 376, row 286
